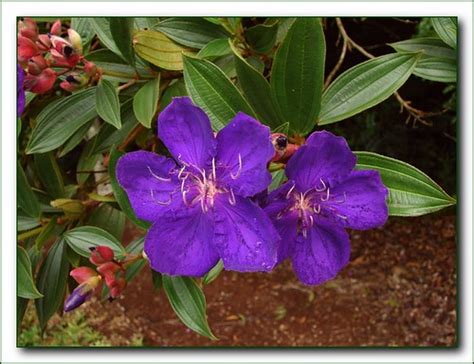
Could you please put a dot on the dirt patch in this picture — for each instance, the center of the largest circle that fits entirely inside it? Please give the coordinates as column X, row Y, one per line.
column 398, row 290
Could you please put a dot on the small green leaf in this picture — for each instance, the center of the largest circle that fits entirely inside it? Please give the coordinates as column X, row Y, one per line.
column 216, row 48
column 191, row 32
column 278, row 177
column 46, row 234
column 26, row 286
column 49, row 174
column 145, row 102
column 84, row 28
column 109, row 219
column 262, row 37
column 82, row 238
column 298, row 74
column 75, row 140
column 121, row 29
column 446, row 28
column 213, row 273
column 59, row 120
column 26, row 222
column 430, row 47
column 436, row 69
column 256, row 90
column 188, row 302
column 159, row 50
column 26, row 199
column 51, row 281
column 157, row 280
column 107, row 103
column 119, row 193
column 101, row 27
column 365, row 85
column 210, row 89
column 133, row 269
column 87, row 162
column 411, row 192
column 178, row 88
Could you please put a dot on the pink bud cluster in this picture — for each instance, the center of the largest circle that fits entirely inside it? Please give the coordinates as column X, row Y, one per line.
column 40, row 54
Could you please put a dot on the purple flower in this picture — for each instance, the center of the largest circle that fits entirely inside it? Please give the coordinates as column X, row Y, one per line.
column 79, row 295
column 20, row 92
column 199, row 200
column 322, row 197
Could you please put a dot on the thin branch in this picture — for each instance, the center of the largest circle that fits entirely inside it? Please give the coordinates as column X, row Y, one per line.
column 338, row 64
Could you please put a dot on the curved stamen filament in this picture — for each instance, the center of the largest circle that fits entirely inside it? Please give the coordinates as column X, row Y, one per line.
column 181, row 172
column 342, row 216
column 214, row 168
column 321, row 189
column 239, row 170
column 231, row 197
column 158, row 177
column 165, row 203
column 289, row 192
column 326, row 197
column 312, row 220
column 317, row 209
column 344, row 200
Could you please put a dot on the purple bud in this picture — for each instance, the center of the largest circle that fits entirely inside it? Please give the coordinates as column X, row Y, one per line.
column 80, row 295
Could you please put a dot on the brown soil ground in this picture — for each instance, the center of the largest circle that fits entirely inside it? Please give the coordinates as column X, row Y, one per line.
column 398, row 290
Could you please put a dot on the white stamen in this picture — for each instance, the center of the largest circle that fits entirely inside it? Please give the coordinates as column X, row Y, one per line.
column 239, row 170
column 289, row 192
column 158, row 177
column 321, row 189
column 327, row 196
column 342, row 216
column 214, row 168
column 317, row 209
column 181, row 172
column 159, row 202
column 311, row 219
column 232, row 197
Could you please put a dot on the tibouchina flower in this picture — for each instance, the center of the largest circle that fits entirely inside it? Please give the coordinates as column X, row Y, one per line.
column 199, row 200
column 20, row 91
column 323, row 196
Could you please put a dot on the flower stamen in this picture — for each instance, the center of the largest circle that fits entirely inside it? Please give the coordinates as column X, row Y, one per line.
column 158, row 177
column 165, row 203
column 239, row 170
column 231, row 197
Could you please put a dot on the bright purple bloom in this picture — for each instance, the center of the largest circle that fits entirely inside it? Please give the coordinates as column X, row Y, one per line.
column 323, row 196
column 199, row 200
column 20, row 91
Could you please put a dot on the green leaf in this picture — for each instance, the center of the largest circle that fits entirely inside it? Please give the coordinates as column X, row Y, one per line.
column 51, row 281
column 87, row 162
column 109, row 219
column 216, row 48
column 107, row 103
column 262, row 37
column 430, row 47
column 121, row 29
column 84, row 28
column 75, row 140
column 446, row 28
column 191, row 32
column 298, row 74
column 278, row 177
column 101, row 27
column 159, row 50
column 437, row 69
column 157, row 280
column 26, row 222
column 188, row 302
column 145, row 102
column 411, row 192
column 365, row 85
column 26, row 286
column 26, row 199
column 133, row 269
column 210, row 89
column 213, row 273
column 46, row 234
column 119, row 193
column 58, row 121
column 82, row 238
column 177, row 88
column 49, row 174
column 256, row 90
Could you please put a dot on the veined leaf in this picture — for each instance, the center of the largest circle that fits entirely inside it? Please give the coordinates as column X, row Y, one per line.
column 84, row 28
column 51, row 281
column 121, row 29
column 213, row 273
column 107, row 103
column 411, row 192
column 188, row 302
column 156, row 48
column 27, row 200
column 298, row 74
column 101, row 27
column 76, row 138
column 216, row 48
column 58, row 121
column 262, row 37
column 257, row 90
column 430, row 47
column 145, row 102
column 109, row 219
column 365, row 85
column 446, row 28
column 437, row 69
column 191, row 32
column 210, row 89
column 83, row 238
column 50, row 174
column 133, row 269
column 26, row 286
column 26, row 222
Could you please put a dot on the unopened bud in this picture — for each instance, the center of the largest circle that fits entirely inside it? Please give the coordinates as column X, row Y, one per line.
column 56, row 28
column 42, row 82
column 36, row 65
column 26, row 49
column 44, row 42
column 72, row 208
column 75, row 40
column 81, row 293
column 82, row 274
column 89, row 68
column 100, row 255
column 28, row 28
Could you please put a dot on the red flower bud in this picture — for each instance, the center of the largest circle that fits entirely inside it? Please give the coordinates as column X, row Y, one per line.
column 89, row 68
column 108, row 267
column 36, row 65
column 117, row 287
column 43, row 43
column 26, row 49
column 56, row 28
column 82, row 274
column 28, row 28
column 101, row 254
column 40, row 83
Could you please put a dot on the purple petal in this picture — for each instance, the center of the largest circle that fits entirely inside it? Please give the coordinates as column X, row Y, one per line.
column 78, row 296
column 244, row 149
column 325, row 156
column 186, row 131
column 362, row 200
column 20, row 90
column 182, row 244
column 244, row 236
column 320, row 255
column 145, row 178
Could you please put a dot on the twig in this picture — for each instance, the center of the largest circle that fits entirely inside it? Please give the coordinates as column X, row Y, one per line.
column 138, row 129
column 339, row 62
column 413, row 113
column 127, row 85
